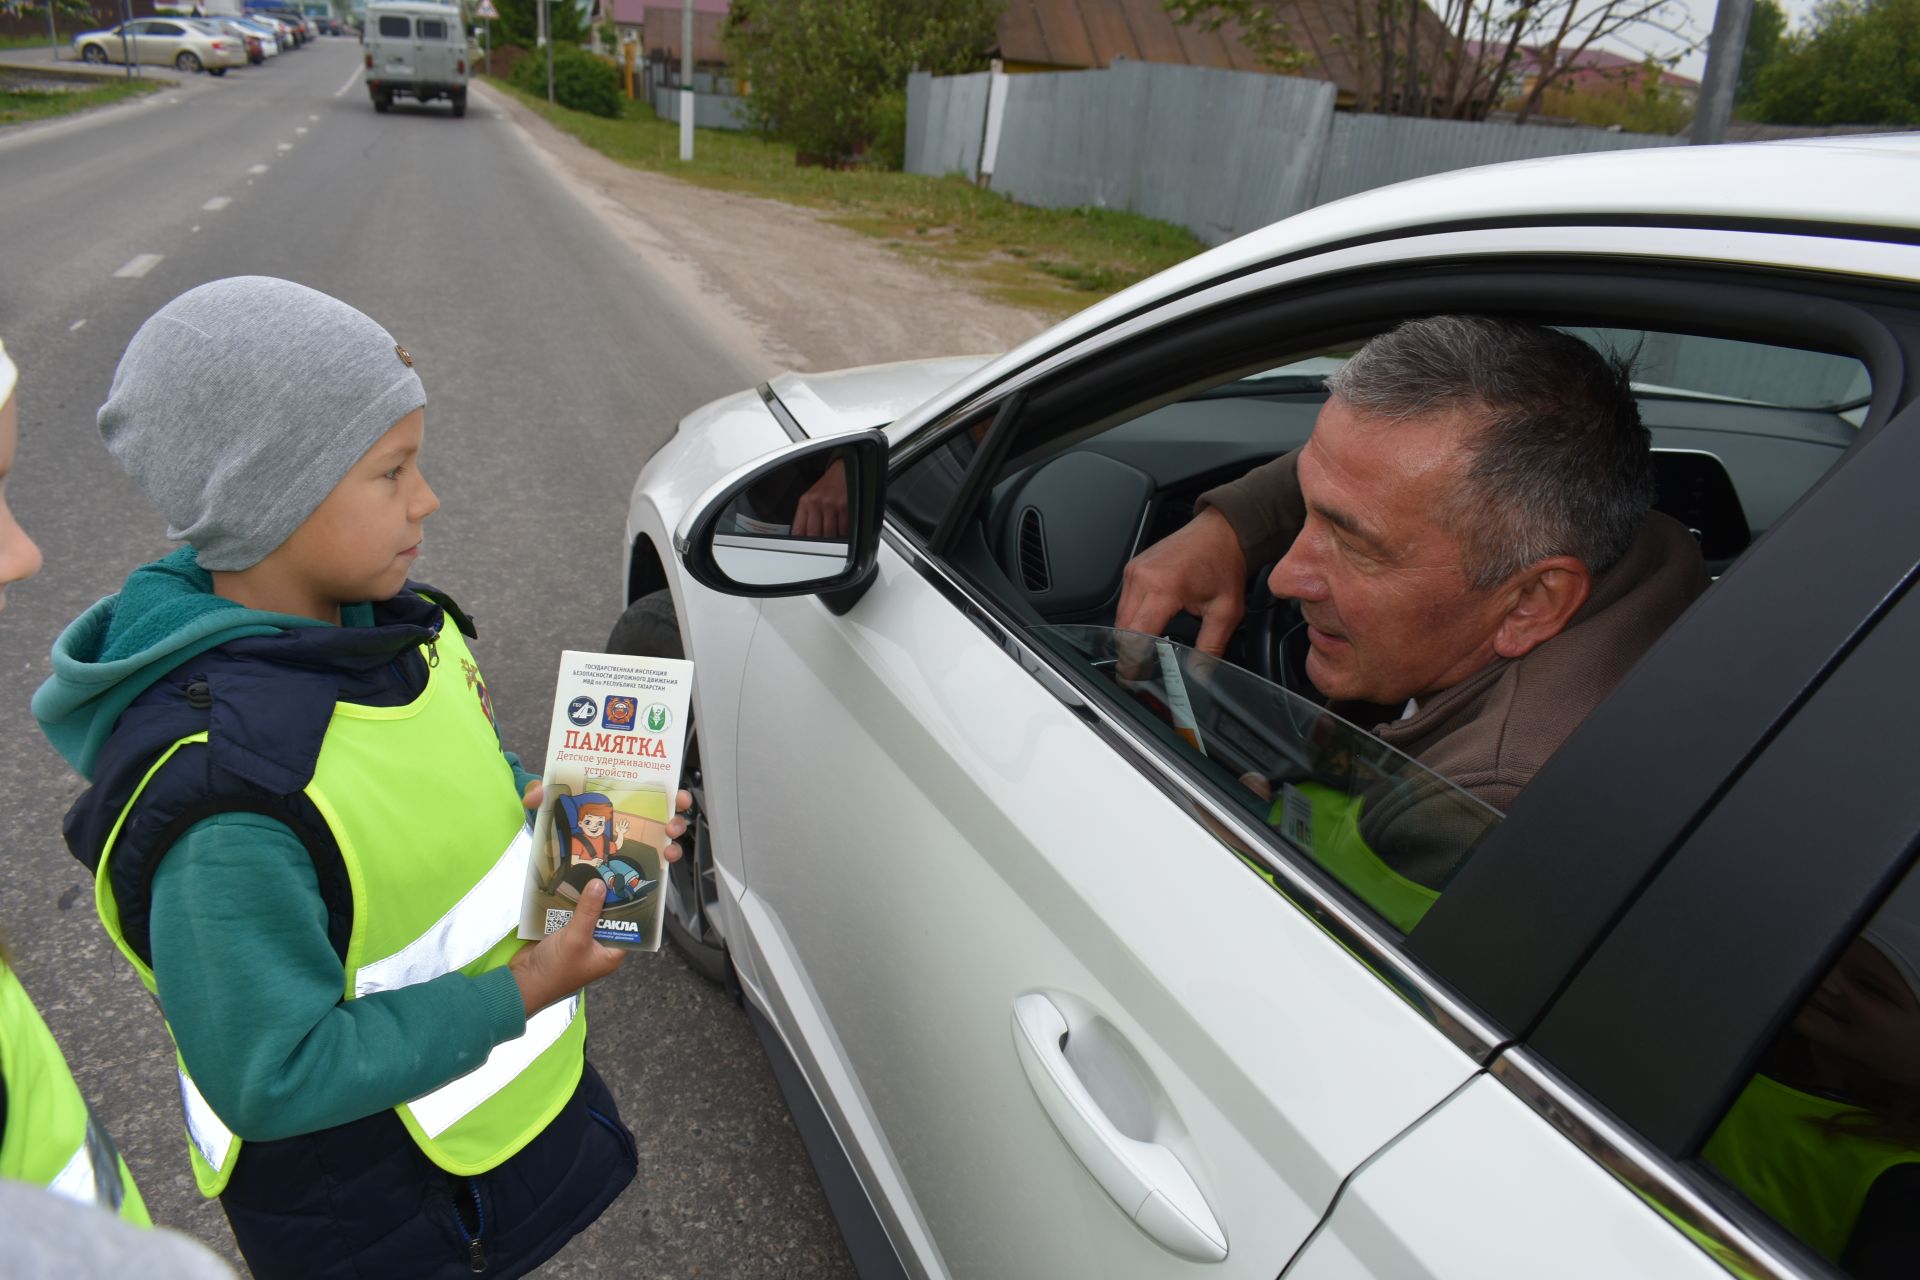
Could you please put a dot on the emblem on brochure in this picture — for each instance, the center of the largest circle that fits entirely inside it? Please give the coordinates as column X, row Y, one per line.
column 658, row 717
column 619, row 713
column 581, row 710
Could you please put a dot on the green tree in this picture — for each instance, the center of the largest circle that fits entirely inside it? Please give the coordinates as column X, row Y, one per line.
column 1765, row 30
column 1857, row 63
column 519, row 23
column 1640, row 103
column 827, row 75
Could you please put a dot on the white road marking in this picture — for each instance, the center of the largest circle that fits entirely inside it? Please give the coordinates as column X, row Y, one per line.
column 76, row 326
column 139, row 265
column 218, row 203
column 258, row 168
column 194, row 230
column 351, row 81
column 285, row 146
column 316, row 119
column 300, row 128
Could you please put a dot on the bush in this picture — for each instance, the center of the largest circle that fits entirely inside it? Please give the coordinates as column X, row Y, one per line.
column 581, row 82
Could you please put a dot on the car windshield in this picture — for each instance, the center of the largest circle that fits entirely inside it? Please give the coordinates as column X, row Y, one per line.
column 1391, row 830
column 1672, row 366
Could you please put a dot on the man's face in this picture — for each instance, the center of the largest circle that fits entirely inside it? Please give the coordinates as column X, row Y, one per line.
column 1390, row 612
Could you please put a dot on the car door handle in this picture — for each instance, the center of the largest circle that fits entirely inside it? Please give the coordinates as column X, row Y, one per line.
column 1145, row 1179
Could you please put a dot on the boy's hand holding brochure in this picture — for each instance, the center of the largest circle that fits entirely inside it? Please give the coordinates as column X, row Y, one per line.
column 565, row 961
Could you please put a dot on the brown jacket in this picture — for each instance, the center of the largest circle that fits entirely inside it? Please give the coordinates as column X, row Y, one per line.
column 1491, row 733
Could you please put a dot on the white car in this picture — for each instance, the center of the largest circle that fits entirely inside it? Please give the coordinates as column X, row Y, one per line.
column 1052, row 994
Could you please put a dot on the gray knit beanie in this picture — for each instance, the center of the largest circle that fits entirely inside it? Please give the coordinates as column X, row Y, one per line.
column 240, row 405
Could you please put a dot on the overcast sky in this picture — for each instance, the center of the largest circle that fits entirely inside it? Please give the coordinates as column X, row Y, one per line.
column 1700, row 14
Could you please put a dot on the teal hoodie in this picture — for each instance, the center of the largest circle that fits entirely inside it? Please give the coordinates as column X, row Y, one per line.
column 111, row 654
column 252, row 995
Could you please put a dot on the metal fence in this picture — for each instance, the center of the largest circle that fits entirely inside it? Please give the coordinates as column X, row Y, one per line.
column 715, row 105
column 1218, row 152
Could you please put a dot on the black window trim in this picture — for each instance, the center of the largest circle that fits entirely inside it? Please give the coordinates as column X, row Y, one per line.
column 1757, row 304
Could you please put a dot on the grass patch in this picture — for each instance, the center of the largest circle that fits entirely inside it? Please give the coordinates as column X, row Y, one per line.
column 9, row 43
column 20, row 105
column 1052, row 260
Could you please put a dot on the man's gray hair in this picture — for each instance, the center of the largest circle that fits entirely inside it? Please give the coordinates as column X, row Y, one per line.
column 1560, row 463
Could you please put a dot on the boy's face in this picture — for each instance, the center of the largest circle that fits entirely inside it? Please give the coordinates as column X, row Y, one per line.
column 592, row 824
column 19, row 557
column 361, row 542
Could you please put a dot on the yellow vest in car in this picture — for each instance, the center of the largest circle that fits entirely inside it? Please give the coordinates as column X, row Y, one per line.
column 1785, row 1151
column 50, row 1137
column 1337, row 845
column 435, row 848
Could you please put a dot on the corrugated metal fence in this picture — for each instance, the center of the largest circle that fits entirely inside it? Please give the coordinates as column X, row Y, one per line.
column 1218, row 152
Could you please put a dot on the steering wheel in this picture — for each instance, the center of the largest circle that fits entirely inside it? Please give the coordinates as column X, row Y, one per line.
column 1273, row 639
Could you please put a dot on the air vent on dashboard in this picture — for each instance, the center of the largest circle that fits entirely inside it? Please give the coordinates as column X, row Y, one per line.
column 1033, row 552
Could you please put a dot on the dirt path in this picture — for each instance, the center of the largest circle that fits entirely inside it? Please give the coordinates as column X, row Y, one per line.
column 804, row 293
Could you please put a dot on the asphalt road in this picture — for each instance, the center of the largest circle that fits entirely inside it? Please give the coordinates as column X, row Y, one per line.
column 556, row 362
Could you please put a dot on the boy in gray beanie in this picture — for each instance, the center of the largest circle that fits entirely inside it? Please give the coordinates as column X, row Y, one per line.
column 306, row 836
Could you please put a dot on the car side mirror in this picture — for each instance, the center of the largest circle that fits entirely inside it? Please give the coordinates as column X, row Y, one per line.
column 804, row 520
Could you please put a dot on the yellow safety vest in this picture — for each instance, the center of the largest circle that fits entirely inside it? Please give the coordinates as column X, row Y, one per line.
column 51, row 1138
column 1782, row 1149
column 421, row 804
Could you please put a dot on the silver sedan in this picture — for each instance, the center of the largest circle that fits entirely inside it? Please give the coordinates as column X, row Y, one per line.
column 161, row 42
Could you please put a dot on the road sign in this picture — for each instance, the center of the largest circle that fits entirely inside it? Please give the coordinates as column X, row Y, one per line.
column 485, row 9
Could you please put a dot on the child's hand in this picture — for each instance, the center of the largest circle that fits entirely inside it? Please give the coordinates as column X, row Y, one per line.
column 561, row 963
column 536, row 792
column 677, row 826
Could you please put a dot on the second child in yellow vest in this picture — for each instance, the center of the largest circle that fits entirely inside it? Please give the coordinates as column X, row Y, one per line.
column 306, row 836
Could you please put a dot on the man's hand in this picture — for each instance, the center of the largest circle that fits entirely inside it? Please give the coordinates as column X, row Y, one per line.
column 1199, row 570
column 565, row 961
column 822, row 509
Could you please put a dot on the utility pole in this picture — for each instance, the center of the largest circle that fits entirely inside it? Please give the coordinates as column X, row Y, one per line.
column 686, row 79
column 1724, row 49
column 546, row 38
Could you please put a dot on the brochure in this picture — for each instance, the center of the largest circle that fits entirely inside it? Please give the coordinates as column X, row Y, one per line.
column 613, row 766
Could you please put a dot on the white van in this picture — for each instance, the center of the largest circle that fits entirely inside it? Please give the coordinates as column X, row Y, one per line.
column 415, row 50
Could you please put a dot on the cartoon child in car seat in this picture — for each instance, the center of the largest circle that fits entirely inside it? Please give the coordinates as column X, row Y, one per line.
column 595, row 834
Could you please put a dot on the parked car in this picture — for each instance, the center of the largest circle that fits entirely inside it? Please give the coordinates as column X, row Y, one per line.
column 162, row 42
column 417, row 50
column 296, row 33
column 273, row 40
column 1051, row 987
column 252, row 41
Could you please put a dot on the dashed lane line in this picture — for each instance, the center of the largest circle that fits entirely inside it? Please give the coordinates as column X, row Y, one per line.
column 138, row 266
column 218, row 203
column 77, row 326
column 285, row 146
column 351, row 81
column 258, row 168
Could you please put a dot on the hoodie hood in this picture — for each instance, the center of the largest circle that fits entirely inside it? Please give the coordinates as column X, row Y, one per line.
column 165, row 615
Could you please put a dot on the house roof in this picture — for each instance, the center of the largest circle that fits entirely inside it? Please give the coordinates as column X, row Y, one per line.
column 1092, row 33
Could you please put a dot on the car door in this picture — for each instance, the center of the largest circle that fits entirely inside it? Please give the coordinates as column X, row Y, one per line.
column 993, row 881
column 162, row 42
column 393, row 47
column 433, row 51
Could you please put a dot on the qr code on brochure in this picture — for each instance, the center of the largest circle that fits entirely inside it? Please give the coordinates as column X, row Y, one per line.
column 557, row 918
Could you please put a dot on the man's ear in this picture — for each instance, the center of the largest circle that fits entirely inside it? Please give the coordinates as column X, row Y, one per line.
column 1545, row 596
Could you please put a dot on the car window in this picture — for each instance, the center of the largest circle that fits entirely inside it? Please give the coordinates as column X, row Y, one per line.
column 165, row 29
column 1824, row 1138
column 433, row 29
column 1390, row 831
column 394, row 26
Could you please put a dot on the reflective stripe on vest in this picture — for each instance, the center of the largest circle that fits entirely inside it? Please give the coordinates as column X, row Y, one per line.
column 211, row 1138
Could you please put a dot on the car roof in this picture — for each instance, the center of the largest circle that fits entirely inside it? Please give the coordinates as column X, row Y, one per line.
column 413, row 6
column 1847, row 182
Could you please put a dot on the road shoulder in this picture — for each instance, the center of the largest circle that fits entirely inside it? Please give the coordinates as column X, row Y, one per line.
column 810, row 295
